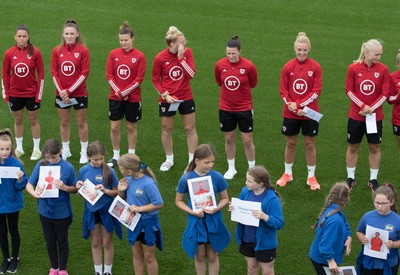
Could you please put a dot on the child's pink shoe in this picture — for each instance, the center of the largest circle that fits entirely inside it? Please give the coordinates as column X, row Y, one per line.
column 62, row 272
column 53, row 271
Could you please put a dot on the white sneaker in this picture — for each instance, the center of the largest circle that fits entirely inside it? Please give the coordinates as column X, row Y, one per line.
column 19, row 153
column 83, row 159
column 229, row 174
column 166, row 166
column 36, row 155
column 66, row 153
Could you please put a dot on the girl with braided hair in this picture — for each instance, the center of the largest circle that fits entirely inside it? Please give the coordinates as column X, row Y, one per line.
column 385, row 217
column 258, row 244
column 139, row 188
column 333, row 233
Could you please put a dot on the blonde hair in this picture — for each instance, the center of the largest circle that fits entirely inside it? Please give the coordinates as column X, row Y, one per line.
column 172, row 34
column 339, row 194
column 5, row 135
column 132, row 162
column 302, row 38
column 367, row 47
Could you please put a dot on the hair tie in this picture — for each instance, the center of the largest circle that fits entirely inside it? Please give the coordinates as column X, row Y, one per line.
column 142, row 165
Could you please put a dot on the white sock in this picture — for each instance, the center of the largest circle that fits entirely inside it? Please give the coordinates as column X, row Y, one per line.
column 288, row 168
column 231, row 164
column 107, row 268
column 84, row 145
column 311, row 171
column 251, row 163
column 19, row 142
column 65, row 145
column 190, row 157
column 351, row 172
column 36, row 144
column 132, row 151
column 373, row 174
column 116, row 154
column 98, row 268
column 170, row 159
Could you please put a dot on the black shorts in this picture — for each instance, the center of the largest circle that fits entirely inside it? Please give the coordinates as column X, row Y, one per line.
column 262, row 256
column 82, row 103
column 18, row 103
column 291, row 127
column 356, row 130
column 229, row 121
column 97, row 218
column 132, row 111
column 396, row 130
column 141, row 238
column 185, row 108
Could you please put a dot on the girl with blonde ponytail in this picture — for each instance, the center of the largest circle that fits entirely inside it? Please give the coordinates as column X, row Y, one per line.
column 333, row 233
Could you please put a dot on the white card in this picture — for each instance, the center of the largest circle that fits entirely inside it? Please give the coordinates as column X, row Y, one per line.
column 314, row 115
column 243, row 212
column 72, row 101
column 174, row 106
column 370, row 121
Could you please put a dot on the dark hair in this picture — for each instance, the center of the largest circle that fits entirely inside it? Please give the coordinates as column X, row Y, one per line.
column 202, row 151
column 5, row 135
column 132, row 162
column 71, row 23
column 234, row 42
column 96, row 148
column 261, row 176
column 389, row 192
column 23, row 27
column 126, row 29
column 339, row 194
column 50, row 147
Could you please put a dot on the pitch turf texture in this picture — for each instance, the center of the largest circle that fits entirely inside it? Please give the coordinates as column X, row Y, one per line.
column 267, row 30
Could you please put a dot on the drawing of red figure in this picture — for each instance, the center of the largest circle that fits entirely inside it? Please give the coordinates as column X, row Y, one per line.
column 119, row 208
column 201, row 189
column 209, row 201
column 92, row 195
column 50, row 180
column 376, row 242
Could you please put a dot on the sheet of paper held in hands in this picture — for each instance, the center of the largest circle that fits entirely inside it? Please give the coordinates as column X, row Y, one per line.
column 370, row 121
column 8, row 172
column 174, row 106
column 376, row 246
column 314, row 115
column 46, row 186
column 201, row 193
column 72, row 101
column 343, row 270
column 243, row 212
column 119, row 209
column 89, row 192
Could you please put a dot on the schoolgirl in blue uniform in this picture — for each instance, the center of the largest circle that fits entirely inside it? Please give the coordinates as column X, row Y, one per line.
column 205, row 235
column 258, row 244
column 139, row 188
column 333, row 233
column 55, row 213
column 11, row 202
column 384, row 217
column 97, row 222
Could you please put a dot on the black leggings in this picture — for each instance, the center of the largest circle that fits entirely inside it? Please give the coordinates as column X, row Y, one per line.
column 9, row 223
column 319, row 268
column 56, row 235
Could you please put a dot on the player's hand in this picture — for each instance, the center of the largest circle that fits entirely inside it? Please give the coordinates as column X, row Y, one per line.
column 79, row 184
column 123, row 184
column 181, row 50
